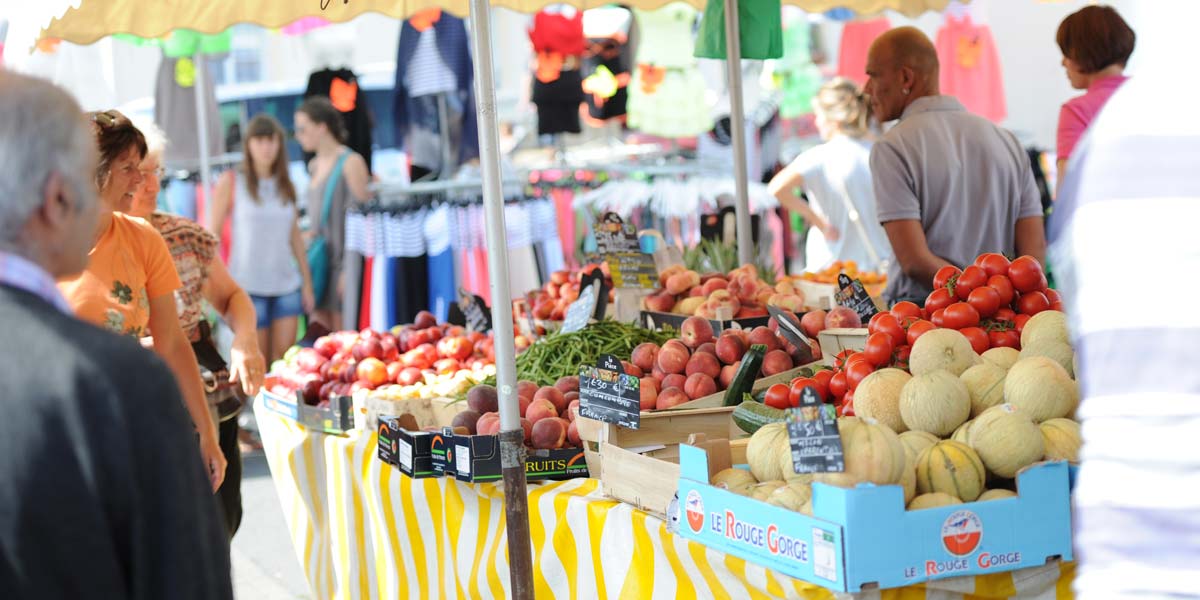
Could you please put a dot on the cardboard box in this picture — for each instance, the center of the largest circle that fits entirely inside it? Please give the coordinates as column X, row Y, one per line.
column 476, row 458
column 834, row 341
column 441, row 448
column 407, row 450
column 656, row 320
column 337, row 418
column 649, row 483
column 863, row 538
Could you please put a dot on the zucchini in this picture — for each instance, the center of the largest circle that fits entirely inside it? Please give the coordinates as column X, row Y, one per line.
column 750, row 416
column 743, row 380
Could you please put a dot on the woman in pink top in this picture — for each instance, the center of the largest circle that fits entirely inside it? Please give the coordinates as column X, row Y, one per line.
column 1096, row 43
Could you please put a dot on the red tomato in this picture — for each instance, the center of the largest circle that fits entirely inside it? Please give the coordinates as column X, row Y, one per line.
column 1008, row 338
column 823, row 378
column 961, row 314
column 938, row 317
column 842, row 357
column 918, row 329
column 900, row 357
column 1052, row 295
column 1020, row 321
column 939, row 298
column 1057, row 306
column 1005, row 314
column 846, row 409
column 878, row 351
column 993, row 263
column 777, row 396
column 797, row 386
column 873, row 323
column 977, row 337
column 1032, row 303
column 1027, row 275
column 985, row 300
column 943, row 276
column 972, row 277
column 856, row 372
column 857, row 357
column 1003, row 287
column 889, row 324
column 906, row 309
column 837, row 385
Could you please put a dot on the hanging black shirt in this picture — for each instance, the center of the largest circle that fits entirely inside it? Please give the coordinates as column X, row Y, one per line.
column 351, row 101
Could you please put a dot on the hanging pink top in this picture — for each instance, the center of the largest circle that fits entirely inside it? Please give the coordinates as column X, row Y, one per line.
column 1077, row 113
column 857, row 37
column 970, row 67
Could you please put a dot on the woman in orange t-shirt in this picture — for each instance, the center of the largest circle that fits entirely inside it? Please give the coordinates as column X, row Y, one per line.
column 129, row 284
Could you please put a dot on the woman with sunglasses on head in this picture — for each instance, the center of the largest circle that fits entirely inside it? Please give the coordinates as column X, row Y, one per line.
column 204, row 277
column 339, row 177
column 129, row 284
column 267, row 257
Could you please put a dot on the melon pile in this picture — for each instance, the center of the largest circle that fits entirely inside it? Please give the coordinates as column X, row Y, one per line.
column 957, row 428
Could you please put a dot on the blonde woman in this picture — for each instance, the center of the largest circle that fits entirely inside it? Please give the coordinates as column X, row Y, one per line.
column 836, row 177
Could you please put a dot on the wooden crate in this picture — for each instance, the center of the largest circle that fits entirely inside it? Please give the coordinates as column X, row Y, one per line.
column 435, row 412
column 834, row 341
column 649, row 483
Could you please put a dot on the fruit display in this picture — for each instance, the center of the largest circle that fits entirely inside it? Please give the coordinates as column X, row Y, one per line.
column 741, row 291
column 830, row 274
column 422, row 360
column 547, row 413
column 551, row 301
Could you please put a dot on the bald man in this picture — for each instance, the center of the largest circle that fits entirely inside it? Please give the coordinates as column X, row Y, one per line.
column 949, row 185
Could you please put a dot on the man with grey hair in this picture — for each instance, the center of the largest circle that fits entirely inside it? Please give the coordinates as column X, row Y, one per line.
column 949, row 185
column 103, row 494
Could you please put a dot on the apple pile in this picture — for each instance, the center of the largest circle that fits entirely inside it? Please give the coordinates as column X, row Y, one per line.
column 687, row 292
column 551, row 301
column 547, row 413
column 423, row 359
column 699, row 364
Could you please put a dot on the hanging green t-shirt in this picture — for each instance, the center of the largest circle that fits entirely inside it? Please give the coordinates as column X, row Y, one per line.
column 759, row 23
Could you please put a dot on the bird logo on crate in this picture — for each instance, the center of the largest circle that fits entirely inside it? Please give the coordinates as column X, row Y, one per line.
column 694, row 508
column 962, row 532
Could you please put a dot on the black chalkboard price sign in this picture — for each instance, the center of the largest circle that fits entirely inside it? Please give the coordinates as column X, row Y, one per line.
column 854, row 296
column 813, row 435
column 607, row 394
column 476, row 311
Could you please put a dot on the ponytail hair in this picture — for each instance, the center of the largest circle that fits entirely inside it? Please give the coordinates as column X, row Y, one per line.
column 840, row 102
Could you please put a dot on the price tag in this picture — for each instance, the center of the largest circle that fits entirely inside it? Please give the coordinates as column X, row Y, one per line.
column 633, row 270
column 607, row 394
column 854, row 296
column 579, row 313
column 596, row 278
column 406, row 455
column 462, row 463
column 813, row 435
column 476, row 311
column 614, row 236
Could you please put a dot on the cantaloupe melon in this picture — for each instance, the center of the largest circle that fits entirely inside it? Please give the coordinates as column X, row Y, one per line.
column 1041, row 388
column 1062, row 439
column 791, row 496
column 763, row 490
column 873, row 453
column 915, row 442
column 985, row 382
column 763, row 450
column 738, row 481
column 942, row 349
column 933, row 500
column 1048, row 325
column 1007, row 440
column 962, row 435
column 936, row 402
column 878, row 397
column 1060, row 352
column 1002, row 357
column 996, row 495
column 845, row 423
column 951, row 467
column 908, row 481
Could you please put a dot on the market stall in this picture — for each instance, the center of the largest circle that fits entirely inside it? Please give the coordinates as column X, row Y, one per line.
column 363, row 530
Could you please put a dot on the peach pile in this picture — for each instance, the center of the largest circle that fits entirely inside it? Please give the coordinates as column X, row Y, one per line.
column 547, row 413
column 685, row 292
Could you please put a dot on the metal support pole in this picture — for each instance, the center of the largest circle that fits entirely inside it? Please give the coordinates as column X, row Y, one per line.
column 737, row 123
column 200, row 88
column 512, row 435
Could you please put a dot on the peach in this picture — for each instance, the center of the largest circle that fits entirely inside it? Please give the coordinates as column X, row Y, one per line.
column 741, row 334
column 775, row 362
column 571, row 396
column 666, row 273
column 670, row 397
column 549, row 434
column 660, row 302
column 573, row 436
column 677, row 344
column 727, row 374
column 703, row 362
column 540, row 409
column 696, row 292
column 787, row 286
column 523, row 403
column 699, row 385
column 673, row 380
column 649, row 392
column 689, row 305
column 672, row 360
column 527, row 388
column 842, row 317
column 631, row 369
column 488, row 424
column 764, row 335
column 714, row 284
column 721, row 294
column 763, row 294
column 789, row 302
column 750, row 311
column 468, row 419
column 482, row 399
column 573, row 410
column 695, row 331
column 553, row 395
column 567, row 383
column 658, row 374
column 730, row 348
column 528, row 427
column 644, row 355
column 680, row 283
column 709, row 347
column 705, row 311
column 813, row 322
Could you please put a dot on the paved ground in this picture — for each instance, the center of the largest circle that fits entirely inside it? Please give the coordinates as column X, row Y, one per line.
column 264, row 563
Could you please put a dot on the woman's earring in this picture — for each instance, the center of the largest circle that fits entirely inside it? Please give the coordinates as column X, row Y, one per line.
column 905, row 91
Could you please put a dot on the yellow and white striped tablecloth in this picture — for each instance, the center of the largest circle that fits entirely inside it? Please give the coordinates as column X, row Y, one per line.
column 361, row 530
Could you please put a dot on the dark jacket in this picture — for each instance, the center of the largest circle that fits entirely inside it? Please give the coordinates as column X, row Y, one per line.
column 456, row 53
column 103, row 492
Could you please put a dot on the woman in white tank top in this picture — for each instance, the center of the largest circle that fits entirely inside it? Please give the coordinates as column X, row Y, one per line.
column 267, row 254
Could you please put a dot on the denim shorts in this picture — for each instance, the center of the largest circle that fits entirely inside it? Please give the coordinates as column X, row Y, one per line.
column 273, row 308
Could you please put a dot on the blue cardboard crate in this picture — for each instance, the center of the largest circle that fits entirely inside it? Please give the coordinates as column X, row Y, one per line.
column 863, row 538
column 338, row 418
